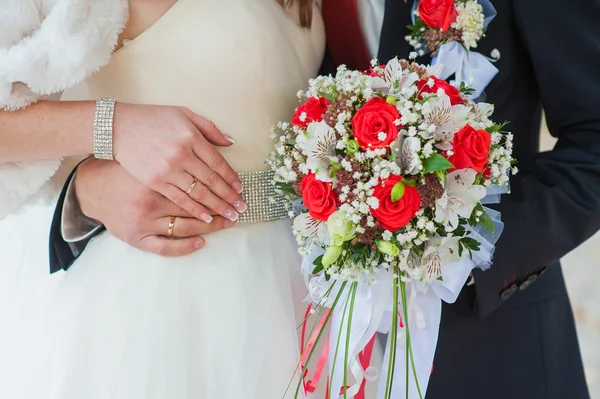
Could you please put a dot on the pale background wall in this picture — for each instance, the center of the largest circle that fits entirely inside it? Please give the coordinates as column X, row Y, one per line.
column 581, row 267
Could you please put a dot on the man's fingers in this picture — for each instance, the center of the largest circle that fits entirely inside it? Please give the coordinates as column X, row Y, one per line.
column 170, row 246
column 190, row 227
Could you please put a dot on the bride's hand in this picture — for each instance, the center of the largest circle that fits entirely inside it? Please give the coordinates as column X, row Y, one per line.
column 137, row 215
column 171, row 151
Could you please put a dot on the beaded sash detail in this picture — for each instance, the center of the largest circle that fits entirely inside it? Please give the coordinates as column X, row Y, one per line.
column 264, row 204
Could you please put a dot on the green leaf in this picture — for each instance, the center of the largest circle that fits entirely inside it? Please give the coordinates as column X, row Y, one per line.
column 410, row 183
column 330, row 96
column 486, row 221
column 496, row 127
column 436, row 162
column 398, row 191
column 286, row 188
column 318, row 262
column 336, row 165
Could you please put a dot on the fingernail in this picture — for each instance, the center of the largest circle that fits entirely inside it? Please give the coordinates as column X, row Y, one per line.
column 231, row 215
column 240, row 206
column 227, row 223
column 229, row 138
column 206, row 217
column 237, row 186
column 198, row 244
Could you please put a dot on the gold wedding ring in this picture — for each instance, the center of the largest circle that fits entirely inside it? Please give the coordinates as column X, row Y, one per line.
column 192, row 187
column 171, row 227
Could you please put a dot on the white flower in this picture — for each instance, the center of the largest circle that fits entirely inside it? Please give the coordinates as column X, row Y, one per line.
column 470, row 22
column 438, row 252
column 307, row 226
column 448, row 119
column 320, row 149
column 479, row 115
column 459, row 199
column 409, row 149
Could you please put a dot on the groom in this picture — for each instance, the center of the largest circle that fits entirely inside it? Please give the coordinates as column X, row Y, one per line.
column 511, row 334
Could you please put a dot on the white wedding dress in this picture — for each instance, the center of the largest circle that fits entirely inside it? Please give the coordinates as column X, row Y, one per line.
column 217, row 324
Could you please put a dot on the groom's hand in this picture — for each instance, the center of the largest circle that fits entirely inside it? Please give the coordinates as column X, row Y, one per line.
column 137, row 215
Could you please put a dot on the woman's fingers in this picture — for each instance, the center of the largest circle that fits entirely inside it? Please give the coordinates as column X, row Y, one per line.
column 223, row 192
column 184, row 201
column 189, row 227
column 208, row 129
column 201, row 193
column 210, row 157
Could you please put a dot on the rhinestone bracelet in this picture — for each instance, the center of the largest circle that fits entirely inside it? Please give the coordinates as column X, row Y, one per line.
column 264, row 204
column 103, row 128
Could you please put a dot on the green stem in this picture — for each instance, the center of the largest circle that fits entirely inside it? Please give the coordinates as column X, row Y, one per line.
column 409, row 353
column 353, row 291
column 337, row 344
column 337, row 298
column 310, row 333
column 394, row 338
column 318, row 305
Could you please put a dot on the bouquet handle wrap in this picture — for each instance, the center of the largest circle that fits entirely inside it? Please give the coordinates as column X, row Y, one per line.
column 372, row 313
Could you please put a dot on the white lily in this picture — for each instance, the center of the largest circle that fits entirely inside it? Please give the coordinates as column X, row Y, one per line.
column 439, row 251
column 320, row 149
column 459, row 199
column 308, row 226
column 434, row 70
column 479, row 115
column 408, row 150
column 448, row 119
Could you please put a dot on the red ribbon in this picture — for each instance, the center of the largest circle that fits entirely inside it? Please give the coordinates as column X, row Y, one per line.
column 364, row 357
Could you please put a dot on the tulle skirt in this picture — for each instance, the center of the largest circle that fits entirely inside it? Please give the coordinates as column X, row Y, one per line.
column 124, row 324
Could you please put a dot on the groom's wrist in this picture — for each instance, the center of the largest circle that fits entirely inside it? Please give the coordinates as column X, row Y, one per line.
column 75, row 225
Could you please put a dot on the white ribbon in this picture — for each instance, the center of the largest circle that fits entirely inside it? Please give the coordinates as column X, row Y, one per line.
column 470, row 67
column 372, row 313
column 427, row 304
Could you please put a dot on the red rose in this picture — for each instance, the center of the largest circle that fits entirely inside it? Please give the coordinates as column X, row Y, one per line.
column 471, row 149
column 373, row 119
column 314, row 108
column 451, row 91
column 318, row 197
column 437, row 14
column 393, row 215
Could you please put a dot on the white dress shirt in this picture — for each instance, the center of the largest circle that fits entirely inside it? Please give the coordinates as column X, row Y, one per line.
column 371, row 21
column 76, row 226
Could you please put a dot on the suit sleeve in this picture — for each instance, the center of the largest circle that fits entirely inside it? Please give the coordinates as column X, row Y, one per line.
column 63, row 253
column 555, row 201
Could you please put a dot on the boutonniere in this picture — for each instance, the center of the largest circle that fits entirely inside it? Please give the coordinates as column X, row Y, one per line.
column 448, row 30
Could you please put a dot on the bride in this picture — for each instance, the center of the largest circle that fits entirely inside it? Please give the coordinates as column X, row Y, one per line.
column 123, row 323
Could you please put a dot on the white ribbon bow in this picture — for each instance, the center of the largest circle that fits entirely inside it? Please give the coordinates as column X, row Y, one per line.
column 470, row 67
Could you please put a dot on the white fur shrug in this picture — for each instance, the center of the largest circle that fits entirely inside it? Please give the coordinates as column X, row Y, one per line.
column 47, row 46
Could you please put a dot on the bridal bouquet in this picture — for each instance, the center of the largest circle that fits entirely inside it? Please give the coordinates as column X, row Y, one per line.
column 448, row 30
column 386, row 172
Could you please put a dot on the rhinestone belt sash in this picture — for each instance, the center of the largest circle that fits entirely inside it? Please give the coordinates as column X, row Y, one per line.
column 264, row 204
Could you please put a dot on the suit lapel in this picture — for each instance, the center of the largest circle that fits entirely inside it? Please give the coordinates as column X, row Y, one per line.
column 396, row 18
